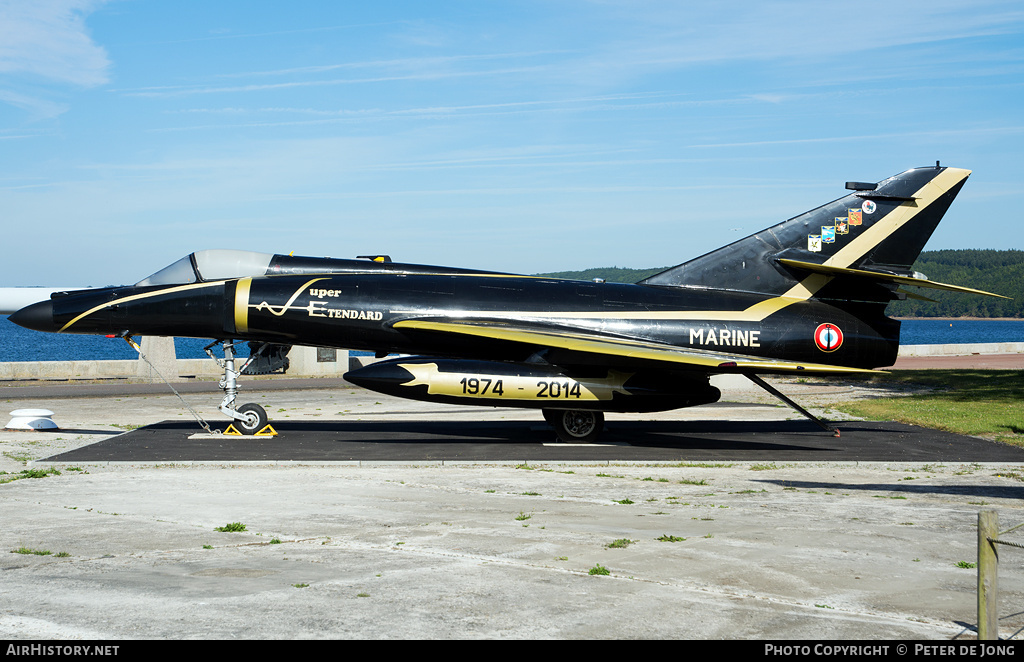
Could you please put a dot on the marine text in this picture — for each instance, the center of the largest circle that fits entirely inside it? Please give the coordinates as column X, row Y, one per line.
column 725, row 337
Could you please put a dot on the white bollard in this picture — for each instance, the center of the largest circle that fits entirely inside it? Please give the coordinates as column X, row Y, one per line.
column 31, row 419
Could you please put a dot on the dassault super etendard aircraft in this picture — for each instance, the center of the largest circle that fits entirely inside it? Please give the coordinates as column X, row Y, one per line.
column 805, row 296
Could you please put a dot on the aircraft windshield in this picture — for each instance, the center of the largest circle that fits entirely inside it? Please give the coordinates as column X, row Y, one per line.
column 211, row 265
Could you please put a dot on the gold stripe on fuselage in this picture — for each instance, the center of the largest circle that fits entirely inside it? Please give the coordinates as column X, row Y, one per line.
column 242, row 305
column 137, row 297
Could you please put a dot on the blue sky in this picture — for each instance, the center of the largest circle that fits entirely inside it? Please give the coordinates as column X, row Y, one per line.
column 522, row 136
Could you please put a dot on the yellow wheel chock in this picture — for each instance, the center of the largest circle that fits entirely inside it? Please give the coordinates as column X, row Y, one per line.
column 267, row 431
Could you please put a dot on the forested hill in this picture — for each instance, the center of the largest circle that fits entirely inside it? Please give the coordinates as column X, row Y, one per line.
column 1001, row 272
column 610, row 274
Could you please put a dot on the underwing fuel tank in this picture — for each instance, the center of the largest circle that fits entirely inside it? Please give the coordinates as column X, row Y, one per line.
column 506, row 384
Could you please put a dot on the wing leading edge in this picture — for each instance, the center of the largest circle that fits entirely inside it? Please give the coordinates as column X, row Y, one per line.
column 670, row 357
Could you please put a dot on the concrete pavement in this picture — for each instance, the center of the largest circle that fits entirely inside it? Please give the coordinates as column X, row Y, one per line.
column 756, row 549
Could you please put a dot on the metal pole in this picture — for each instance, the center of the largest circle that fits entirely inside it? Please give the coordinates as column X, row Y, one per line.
column 988, row 575
column 778, row 394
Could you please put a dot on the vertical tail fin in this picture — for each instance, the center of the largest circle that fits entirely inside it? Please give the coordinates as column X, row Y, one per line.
column 879, row 228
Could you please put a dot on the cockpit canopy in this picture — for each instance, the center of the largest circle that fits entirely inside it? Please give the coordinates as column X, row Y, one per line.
column 227, row 264
column 214, row 264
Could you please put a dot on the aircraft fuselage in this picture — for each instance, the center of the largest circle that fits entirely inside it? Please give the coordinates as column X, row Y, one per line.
column 359, row 311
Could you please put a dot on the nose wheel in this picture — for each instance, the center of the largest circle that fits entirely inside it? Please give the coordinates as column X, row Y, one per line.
column 254, row 418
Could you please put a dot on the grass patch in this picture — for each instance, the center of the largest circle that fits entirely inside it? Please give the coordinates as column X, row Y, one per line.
column 26, row 550
column 39, row 473
column 621, row 543
column 599, row 570
column 28, row 473
column 981, row 403
column 668, row 538
column 233, row 527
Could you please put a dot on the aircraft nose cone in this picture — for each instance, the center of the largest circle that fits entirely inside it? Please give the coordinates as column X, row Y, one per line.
column 38, row 317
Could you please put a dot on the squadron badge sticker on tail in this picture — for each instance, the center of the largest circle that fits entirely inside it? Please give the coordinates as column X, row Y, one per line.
column 828, row 337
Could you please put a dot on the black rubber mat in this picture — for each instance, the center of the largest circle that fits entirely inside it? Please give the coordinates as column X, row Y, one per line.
column 411, row 441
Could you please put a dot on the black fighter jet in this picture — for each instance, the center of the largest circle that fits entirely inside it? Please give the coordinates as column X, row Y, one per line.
column 805, row 296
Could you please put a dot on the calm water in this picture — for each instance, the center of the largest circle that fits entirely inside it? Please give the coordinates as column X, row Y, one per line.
column 18, row 344
column 959, row 332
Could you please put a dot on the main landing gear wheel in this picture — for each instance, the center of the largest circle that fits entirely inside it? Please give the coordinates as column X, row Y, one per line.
column 254, row 419
column 579, row 426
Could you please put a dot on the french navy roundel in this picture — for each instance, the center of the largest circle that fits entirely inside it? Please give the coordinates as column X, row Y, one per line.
column 828, row 337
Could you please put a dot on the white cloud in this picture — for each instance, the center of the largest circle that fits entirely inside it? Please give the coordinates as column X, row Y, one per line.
column 48, row 39
column 37, row 106
column 665, row 36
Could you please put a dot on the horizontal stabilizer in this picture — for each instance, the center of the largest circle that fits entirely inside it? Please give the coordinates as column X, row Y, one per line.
column 916, row 297
column 880, row 276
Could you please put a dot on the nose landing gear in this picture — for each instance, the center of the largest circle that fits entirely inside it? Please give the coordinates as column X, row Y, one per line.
column 250, row 418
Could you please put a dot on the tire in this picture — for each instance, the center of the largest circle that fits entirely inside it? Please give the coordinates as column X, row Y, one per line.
column 254, row 419
column 577, row 426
